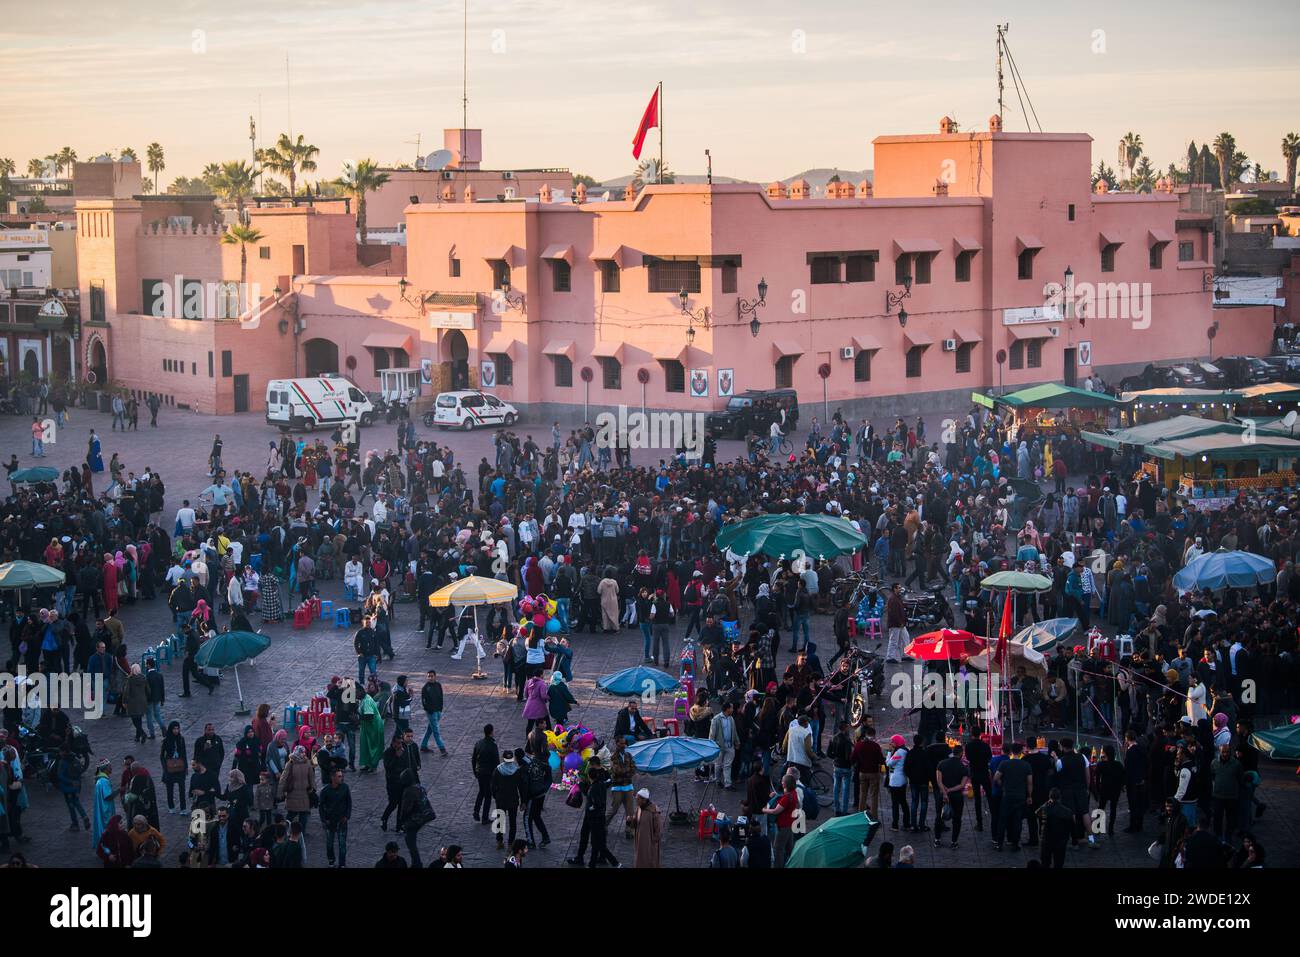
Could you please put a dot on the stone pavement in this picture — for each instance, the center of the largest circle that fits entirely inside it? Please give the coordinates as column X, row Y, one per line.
column 300, row 662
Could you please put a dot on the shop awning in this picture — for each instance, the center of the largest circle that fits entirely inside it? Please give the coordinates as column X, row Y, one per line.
column 1028, row 241
column 1030, row 330
column 612, row 254
column 561, row 347
column 609, row 350
column 967, row 335
column 786, row 347
column 1179, row 396
column 501, row 344
column 673, row 353
column 1109, row 237
column 1226, row 445
column 902, row 246
column 867, row 343
column 559, row 251
column 1053, row 395
column 917, row 339
column 1155, row 236
column 388, row 340
column 505, row 254
column 965, row 244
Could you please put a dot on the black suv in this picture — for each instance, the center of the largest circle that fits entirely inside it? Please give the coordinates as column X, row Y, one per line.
column 1244, row 370
column 755, row 410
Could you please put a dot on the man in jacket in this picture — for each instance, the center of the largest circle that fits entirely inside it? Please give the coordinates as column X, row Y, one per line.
column 366, row 645
column 722, row 732
column 895, row 623
column 156, row 694
column 1135, row 782
column 335, row 810
column 629, row 725
column 483, row 763
column 622, row 768
column 431, row 702
column 508, row 787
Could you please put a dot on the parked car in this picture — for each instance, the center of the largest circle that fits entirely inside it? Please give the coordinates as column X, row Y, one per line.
column 467, row 409
column 1285, row 368
column 755, row 410
column 1244, row 371
column 1152, row 377
column 1215, row 378
column 1188, row 376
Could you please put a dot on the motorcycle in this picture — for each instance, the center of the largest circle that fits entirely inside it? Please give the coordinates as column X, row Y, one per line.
column 868, row 680
column 427, row 419
column 927, row 609
column 40, row 757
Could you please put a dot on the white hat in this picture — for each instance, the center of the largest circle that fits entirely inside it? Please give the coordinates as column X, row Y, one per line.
column 644, row 793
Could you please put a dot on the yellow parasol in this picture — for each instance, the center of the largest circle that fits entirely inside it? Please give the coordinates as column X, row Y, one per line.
column 473, row 590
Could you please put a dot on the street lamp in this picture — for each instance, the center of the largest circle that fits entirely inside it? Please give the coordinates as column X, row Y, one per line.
column 402, row 288
column 701, row 316
column 749, row 307
column 893, row 299
column 512, row 300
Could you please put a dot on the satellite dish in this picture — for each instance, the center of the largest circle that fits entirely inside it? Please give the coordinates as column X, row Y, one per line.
column 438, row 159
column 1289, row 419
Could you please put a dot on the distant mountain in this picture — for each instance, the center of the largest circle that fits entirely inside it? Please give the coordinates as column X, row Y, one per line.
column 817, row 178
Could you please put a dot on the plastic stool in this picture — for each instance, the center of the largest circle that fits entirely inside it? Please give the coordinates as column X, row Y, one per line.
column 150, row 652
column 165, row 652
column 326, row 609
column 325, row 723
column 301, row 617
column 343, row 618
column 873, row 629
column 1125, row 645
column 291, row 716
column 349, row 592
column 673, row 727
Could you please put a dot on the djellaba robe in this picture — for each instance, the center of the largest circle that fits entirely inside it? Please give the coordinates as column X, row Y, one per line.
column 372, row 733
column 608, row 589
column 104, row 808
column 649, row 832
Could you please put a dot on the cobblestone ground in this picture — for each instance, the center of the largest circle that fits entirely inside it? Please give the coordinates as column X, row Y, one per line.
column 298, row 664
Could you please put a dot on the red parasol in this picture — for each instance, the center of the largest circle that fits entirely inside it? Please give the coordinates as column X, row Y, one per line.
column 946, row 644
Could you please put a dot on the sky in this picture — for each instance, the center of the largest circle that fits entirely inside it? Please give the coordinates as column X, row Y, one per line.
column 771, row 88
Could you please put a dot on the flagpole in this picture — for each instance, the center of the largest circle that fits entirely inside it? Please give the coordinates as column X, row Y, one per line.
column 660, row 177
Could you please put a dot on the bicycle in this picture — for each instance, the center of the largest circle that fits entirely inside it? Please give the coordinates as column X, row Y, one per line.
column 819, row 779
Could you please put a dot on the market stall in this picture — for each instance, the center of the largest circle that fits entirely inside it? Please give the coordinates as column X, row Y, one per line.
column 1052, row 408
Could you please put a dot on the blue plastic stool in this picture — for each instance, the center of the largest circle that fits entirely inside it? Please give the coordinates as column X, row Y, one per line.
column 145, row 655
column 343, row 618
column 165, row 652
column 326, row 609
column 349, row 592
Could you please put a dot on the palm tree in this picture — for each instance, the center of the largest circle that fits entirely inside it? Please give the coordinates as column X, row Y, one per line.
column 288, row 158
column 648, row 171
column 1130, row 148
column 234, row 182
column 1290, row 152
column 1224, row 146
column 67, row 156
column 242, row 235
column 128, row 155
column 156, row 161
column 35, row 167
column 358, row 180
column 7, row 166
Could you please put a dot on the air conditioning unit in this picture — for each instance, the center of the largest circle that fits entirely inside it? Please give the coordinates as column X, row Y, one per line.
column 846, row 352
column 950, row 345
column 507, row 175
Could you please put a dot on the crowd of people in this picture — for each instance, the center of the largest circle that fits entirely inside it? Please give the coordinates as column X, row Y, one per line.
column 622, row 546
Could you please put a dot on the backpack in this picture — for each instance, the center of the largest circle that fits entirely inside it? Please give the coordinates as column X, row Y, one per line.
column 809, row 802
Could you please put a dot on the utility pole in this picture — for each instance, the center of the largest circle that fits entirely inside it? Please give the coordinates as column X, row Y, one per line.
column 1002, row 29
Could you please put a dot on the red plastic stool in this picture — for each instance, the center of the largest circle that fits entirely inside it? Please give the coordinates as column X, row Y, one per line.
column 673, row 727
column 301, row 617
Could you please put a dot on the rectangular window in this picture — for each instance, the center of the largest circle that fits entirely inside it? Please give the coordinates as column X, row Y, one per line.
column 505, row 368
column 1017, row 354
column 674, row 375
column 611, row 277
column 227, row 361
column 561, row 276
column 194, row 368
column 263, row 252
column 97, row 309
column 963, row 265
column 563, row 372
column 1070, row 213
column 1025, row 264
column 167, row 365
column 211, row 371
column 862, row 366
column 1034, row 354
column 500, row 274
column 1156, row 258
column 903, row 268
column 914, row 361
column 1186, row 251
column 785, row 372
column 672, row 275
column 860, row 268
column 963, row 356
column 455, row 268
column 1108, row 258
column 923, row 261
column 611, row 373
column 825, row 270
column 729, row 272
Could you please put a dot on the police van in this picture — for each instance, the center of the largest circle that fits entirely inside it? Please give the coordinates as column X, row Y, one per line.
column 306, row 404
column 467, row 409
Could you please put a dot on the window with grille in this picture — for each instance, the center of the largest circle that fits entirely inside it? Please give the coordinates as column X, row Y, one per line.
column 729, row 272
column 914, row 361
column 963, row 265
column 1034, row 353
column 673, row 275
column 455, row 268
column 1108, row 257
column 674, row 375
column 963, row 356
column 610, row 276
column 1186, row 251
column 1016, row 355
column 381, row 359
column 860, row 269
column 611, row 372
column 500, row 274
column 1025, row 264
column 785, row 372
column 563, row 371
column 923, row 261
column 1070, row 213
column 862, row 366
column 505, row 368
column 1156, row 258
column 227, row 363
column 561, row 276
column 825, row 270
column 903, row 268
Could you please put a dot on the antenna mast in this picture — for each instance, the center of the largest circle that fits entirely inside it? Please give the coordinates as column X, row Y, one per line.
column 464, row 78
column 1002, row 29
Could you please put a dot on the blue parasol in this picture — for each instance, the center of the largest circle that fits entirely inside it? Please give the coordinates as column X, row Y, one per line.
column 666, row 755
column 1224, row 569
column 637, row 681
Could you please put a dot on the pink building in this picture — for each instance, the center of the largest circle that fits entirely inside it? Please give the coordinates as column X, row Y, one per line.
column 578, row 302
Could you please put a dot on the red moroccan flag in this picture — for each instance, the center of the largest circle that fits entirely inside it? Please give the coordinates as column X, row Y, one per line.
column 649, row 120
column 1004, row 634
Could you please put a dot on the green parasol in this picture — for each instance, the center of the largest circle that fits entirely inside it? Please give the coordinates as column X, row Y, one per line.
column 782, row 536
column 227, row 650
column 836, row 844
column 29, row 575
column 1017, row 581
column 39, row 473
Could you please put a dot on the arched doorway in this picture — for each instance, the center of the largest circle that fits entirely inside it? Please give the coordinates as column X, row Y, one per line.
column 60, row 357
column 321, row 356
column 32, row 363
column 97, row 361
column 456, row 349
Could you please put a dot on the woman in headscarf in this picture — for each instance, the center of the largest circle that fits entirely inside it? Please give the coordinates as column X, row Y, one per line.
column 140, row 796
column 104, row 807
column 372, row 735
column 306, row 739
column 248, row 753
column 277, row 753
column 114, row 845
column 239, row 796
column 201, row 617
column 262, row 725
column 109, row 570
column 269, row 598
column 534, row 581
column 175, row 763
column 560, row 701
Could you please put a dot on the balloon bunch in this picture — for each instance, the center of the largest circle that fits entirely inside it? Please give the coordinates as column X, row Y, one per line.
column 538, row 613
column 571, row 748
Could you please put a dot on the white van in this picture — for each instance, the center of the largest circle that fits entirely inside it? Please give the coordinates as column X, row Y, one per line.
column 467, row 409
column 312, row 403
